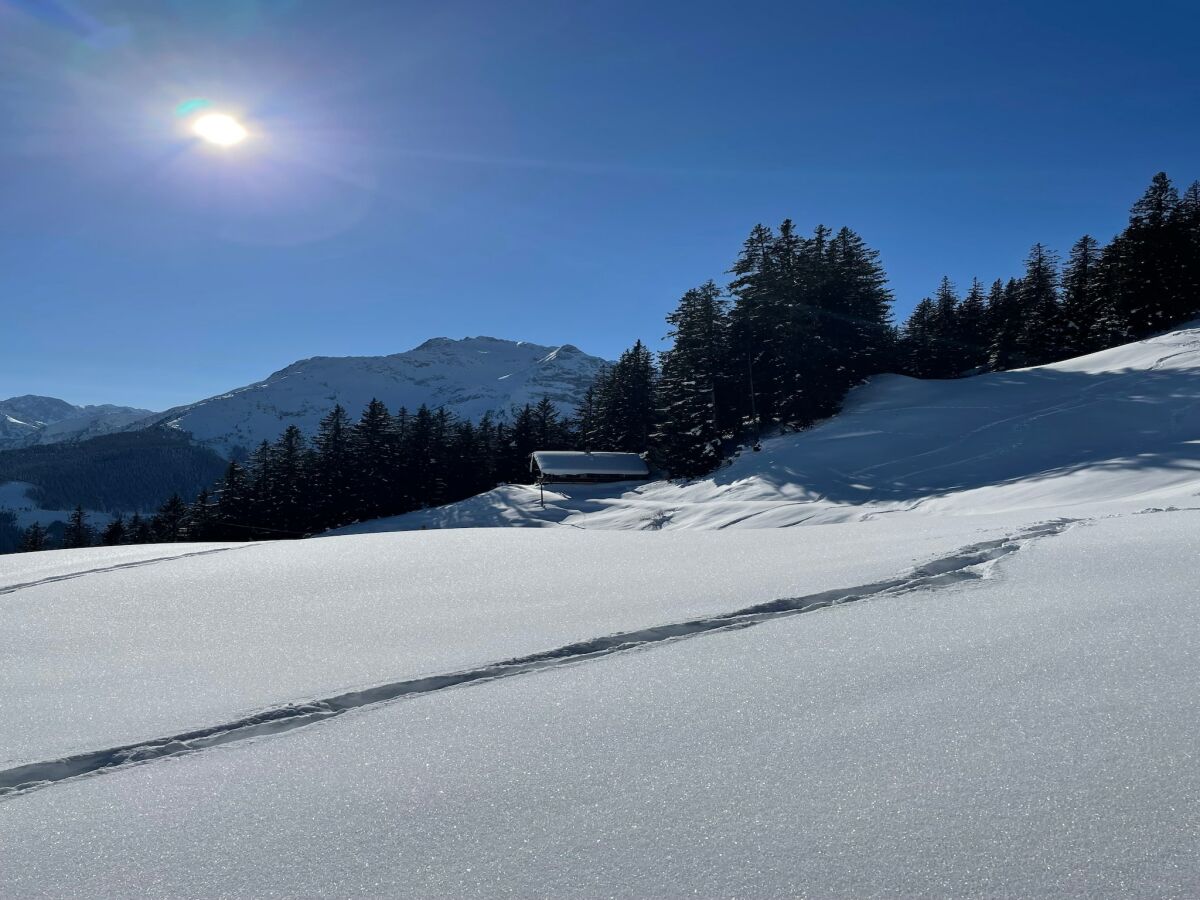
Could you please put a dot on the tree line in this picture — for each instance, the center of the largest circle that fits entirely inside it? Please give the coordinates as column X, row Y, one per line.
column 802, row 319
column 1146, row 279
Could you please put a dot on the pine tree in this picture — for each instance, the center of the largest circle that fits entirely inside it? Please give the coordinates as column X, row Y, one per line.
column 333, row 473
column 972, row 321
column 919, row 341
column 857, row 322
column 115, row 532
column 1150, row 287
column 235, row 504
column 374, row 449
column 35, row 539
column 693, row 397
column 203, row 518
column 586, row 422
column 289, row 500
column 1084, row 314
column 78, row 533
column 625, row 395
column 1004, row 316
column 170, row 522
column 549, row 431
column 948, row 360
column 139, row 530
column 1041, row 336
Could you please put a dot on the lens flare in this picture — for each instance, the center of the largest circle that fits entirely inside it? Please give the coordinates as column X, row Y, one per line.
column 220, row 129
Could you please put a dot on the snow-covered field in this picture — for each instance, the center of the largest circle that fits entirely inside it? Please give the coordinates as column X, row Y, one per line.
column 972, row 672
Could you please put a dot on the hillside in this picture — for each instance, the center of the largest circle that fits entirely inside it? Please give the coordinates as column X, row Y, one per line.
column 468, row 377
column 123, row 472
column 30, row 420
column 970, row 673
column 1118, row 428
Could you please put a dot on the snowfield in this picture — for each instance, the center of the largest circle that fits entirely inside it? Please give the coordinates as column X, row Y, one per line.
column 971, row 672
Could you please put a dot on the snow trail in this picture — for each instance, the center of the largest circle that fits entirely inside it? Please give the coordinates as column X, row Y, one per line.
column 51, row 579
column 965, row 564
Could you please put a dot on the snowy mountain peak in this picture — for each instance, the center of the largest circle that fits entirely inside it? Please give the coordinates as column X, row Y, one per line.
column 31, row 419
column 468, row 376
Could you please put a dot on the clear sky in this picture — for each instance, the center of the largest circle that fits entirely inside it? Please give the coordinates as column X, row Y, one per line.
column 546, row 171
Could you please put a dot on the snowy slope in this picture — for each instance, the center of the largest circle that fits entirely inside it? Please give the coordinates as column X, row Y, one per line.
column 29, row 420
column 1119, row 429
column 225, row 634
column 972, row 673
column 469, row 377
column 1030, row 734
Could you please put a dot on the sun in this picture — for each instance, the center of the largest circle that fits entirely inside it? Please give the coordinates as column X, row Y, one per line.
column 220, row 129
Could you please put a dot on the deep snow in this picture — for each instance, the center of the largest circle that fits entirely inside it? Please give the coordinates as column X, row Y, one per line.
column 1028, row 735
column 1007, row 707
column 142, row 652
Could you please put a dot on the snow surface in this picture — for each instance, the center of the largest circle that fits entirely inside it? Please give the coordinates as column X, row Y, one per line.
column 468, row 377
column 131, row 653
column 971, row 673
column 1028, row 735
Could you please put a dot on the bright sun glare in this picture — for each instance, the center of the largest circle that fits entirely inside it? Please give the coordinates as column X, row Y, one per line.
column 220, row 129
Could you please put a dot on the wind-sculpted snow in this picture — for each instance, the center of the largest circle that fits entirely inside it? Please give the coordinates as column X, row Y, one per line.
column 1031, row 734
column 129, row 654
column 1113, row 431
column 468, row 377
column 965, row 564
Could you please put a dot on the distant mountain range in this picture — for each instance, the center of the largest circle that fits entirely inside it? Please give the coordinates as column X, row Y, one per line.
column 468, row 377
column 31, row 420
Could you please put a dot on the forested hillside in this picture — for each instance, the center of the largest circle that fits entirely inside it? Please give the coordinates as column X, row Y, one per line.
column 121, row 472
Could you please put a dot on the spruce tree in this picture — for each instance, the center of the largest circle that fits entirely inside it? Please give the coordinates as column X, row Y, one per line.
column 1004, row 316
column 35, row 539
column 1083, row 306
column 376, row 489
column 333, row 473
column 973, row 331
column 1041, row 336
column 693, row 396
column 170, row 522
column 114, row 533
column 78, row 532
column 1150, row 286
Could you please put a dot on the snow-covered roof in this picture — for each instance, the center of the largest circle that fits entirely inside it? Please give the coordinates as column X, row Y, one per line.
column 573, row 462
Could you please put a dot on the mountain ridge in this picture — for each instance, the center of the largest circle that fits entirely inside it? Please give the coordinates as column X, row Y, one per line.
column 32, row 419
column 469, row 376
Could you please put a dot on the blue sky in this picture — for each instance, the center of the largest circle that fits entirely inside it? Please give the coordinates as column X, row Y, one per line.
column 552, row 172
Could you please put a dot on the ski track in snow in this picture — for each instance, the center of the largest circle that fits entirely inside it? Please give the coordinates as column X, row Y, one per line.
column 965, row 564
column 51, row 579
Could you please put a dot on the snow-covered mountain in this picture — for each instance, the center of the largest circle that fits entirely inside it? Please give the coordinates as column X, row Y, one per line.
column 30, row 419
column 468, row 377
